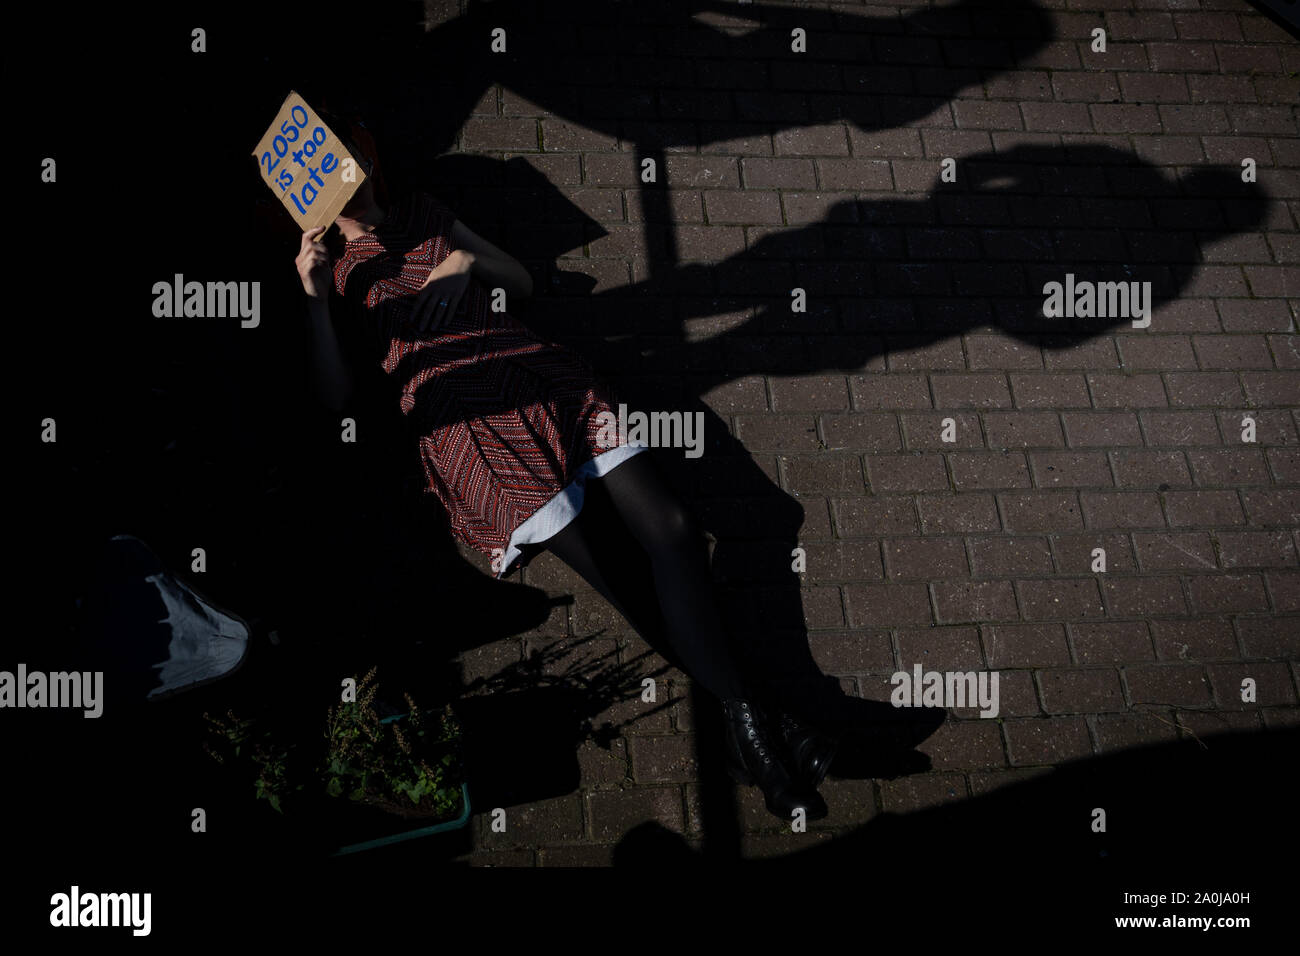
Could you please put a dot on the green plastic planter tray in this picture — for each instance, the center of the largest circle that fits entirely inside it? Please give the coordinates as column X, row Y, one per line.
column 418, row 832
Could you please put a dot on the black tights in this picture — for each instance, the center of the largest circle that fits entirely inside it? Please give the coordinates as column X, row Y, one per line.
column 632, row 530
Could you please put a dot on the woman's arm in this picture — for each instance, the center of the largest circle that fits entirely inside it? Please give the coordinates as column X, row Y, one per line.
column 329, row 368
column 492, row 266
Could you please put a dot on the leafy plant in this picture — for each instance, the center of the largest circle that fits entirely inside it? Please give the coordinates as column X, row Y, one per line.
column 403, row 766
column 237, row 738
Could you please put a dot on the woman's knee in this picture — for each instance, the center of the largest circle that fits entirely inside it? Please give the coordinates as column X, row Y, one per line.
column 673, row 527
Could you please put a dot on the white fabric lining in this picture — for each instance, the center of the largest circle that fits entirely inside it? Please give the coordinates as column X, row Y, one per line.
column 553, row 516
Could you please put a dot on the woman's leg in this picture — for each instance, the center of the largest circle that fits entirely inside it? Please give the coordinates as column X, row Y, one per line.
column 682, row 578
column 580, row 545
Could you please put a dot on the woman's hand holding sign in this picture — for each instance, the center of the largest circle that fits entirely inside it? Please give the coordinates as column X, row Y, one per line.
column 313, row 264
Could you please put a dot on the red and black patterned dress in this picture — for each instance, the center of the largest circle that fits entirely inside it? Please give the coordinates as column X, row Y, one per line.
column 508, row 422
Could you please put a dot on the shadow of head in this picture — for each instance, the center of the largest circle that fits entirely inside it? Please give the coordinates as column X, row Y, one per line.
column 993, row 235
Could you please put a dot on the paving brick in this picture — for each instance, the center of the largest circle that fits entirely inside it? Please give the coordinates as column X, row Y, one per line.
column 1084, row 87
column 1143, row 597
column 760, row 172
column 975, row 601
column 1269, row 637
column 1255, row 315
column 940, row 648
column 928, row 430
column 1105, row 429
column 1176, row 551
column 871, row 604
column 1023, row 429
column 1201, row 508
column 1040, row 510
column 1126, row 731
column 905, row 473
column 1164, row 352
column 1272, row 388
column 965, row 745
column 1271, row 427
column 1125, row 118
column 852, row 652
column 896, row 390
column 1273, row 686
column 982, row 784
column 1026, row 645
column 1047, row 740
column 1070, row 469
column 819, row 392
column 1202, row 639
column 1088, row 355
column 543, row 821
column 1000, row 352
column 824, row 473
column 1128, row 390
column 862, row 432
column 1153, row 87
column 1195, row 725
column 920, row 791
column 1284, row 590
column 1068, row 599
column 1198, row 389
column 957, row 514
column 836, row 561
column 1234, row 467
column 1276, row 717
column 888, row 514
column 973, row 471
column 1184, row 55
column 1080, row 691
column 1018, row 694
column 744, row 394
column 663, row 758
column 924, row 558
column 1111, row 642
column 970, row 390
column 1168, row 685
column 1121, row 509
column 777, row 432
column 850, row 803
column 1145, row 469
column 578, row 854
column 1074, row 553
column 614, row 812
column 1049, row 390
column 1010, row 556
column 910, row 354
column 1285, row 465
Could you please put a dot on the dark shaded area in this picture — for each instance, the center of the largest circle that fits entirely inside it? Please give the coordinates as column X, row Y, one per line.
column 1285, row 13
column 1192, row 816
column 195, row 433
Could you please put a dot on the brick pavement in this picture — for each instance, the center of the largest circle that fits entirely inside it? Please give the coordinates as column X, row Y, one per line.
column 976, row 553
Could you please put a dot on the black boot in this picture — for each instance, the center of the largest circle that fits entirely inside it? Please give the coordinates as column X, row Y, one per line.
column 752, row 759
column 811, row 751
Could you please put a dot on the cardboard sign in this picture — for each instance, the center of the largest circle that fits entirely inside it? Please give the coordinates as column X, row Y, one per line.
column 306, row 165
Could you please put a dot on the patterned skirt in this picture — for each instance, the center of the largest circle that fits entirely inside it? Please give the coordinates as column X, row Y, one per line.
column 510, row 428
